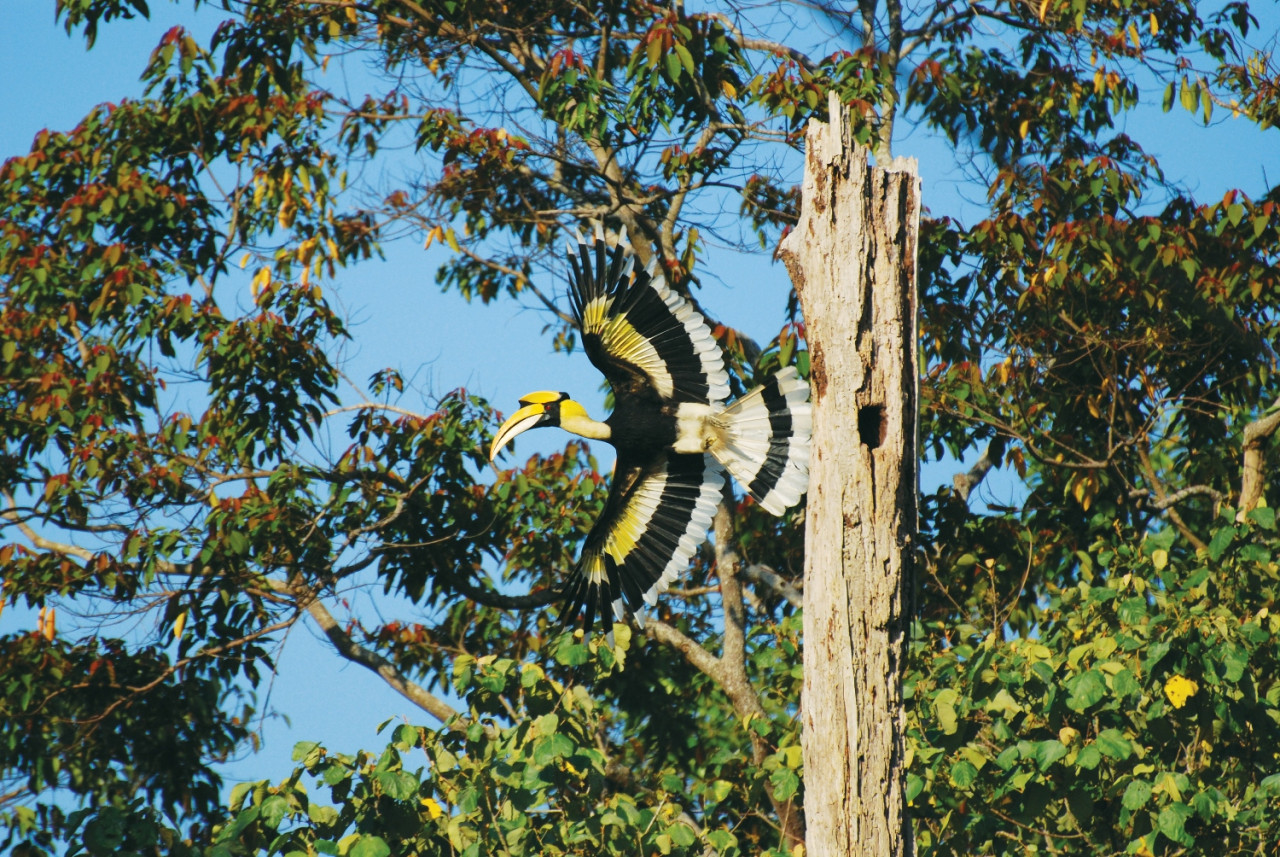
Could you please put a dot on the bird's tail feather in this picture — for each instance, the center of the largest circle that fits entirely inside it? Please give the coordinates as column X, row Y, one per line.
column 764, row 441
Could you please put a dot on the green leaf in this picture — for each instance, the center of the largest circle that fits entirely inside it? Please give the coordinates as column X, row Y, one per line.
column 304, row 750
column 1136, row 795
column 406, row 736
column 915, row 785
column 242, row 820
column 945, row 712
column 682, row 835
column 274, row 809
column 370, row 846
column 686, row 58
column 400, row 785
column 1263, row 516
column 1048, row 752
column 723, row 841
column 1085, row 690
column 1222, row 539
column 238, row 793
column 1112, row 744
column 719, row 790
column 1088, row 758
column 238, row 542
column 1171, row 822
column 785, row 783
column 963, row 774
column 1236, row 662
column 672, row 62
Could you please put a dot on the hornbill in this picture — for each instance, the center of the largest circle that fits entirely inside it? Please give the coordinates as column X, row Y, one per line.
column 673, row 432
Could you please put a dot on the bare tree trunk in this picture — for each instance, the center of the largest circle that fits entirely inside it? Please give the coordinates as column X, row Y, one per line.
column 852, row 258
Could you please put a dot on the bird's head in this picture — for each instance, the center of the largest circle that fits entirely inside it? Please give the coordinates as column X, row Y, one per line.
column 543, row 408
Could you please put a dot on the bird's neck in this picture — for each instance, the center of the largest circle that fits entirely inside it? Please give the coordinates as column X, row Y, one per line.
column 586, row 427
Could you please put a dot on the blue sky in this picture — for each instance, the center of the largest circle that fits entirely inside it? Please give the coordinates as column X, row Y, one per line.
column 442, row 343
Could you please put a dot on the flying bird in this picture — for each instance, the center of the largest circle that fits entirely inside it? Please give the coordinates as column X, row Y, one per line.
column 674, row 433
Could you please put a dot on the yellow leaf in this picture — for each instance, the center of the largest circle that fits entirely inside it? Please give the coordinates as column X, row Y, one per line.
column 1023, row 127
column 47, row 623
column 452, row 240
column 1083, row 487
column 730, row 91
column 1160, row 559
column 261, row 281
column 433, row 808
column 1155, row 25
column 1044, row 5
column 1019, row 461
column 653, row 51
column 1179, row 689
column 179, row 624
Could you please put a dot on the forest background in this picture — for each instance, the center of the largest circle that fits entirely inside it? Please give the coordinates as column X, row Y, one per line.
column 1094, row 668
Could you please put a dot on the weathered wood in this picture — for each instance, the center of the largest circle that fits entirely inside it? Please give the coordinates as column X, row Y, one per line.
column 852, row 258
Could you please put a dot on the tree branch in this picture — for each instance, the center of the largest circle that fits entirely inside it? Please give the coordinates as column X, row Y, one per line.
column 307, row 599
column 698, row 657
column 1252, row 477
column 501, row 601
column 764, row 576
column 1162, row 503
column 964, row 483
column 733, row 665
column 734, row 657
column 1162, row 497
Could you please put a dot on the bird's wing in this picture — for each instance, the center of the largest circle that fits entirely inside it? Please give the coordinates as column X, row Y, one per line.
column 645, row 338
column 653, row 522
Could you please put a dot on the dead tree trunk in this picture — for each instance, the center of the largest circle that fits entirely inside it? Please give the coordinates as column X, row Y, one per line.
column 852, row 258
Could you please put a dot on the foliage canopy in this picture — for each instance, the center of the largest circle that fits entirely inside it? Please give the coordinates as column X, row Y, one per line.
column 1095, row 669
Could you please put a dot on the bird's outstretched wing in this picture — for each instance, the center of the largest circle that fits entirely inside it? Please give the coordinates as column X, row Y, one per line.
column 646, row 339
column 653, row 522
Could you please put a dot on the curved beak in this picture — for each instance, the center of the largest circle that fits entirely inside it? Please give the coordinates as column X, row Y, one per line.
column 530, row 416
